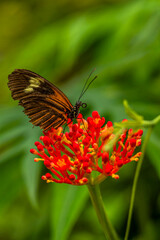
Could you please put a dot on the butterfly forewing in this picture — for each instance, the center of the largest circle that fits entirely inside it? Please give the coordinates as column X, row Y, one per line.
column 45, row 104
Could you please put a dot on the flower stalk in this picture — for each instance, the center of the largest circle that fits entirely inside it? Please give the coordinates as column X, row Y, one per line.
column 135, row 181
column 97, row 202
column 137, row 122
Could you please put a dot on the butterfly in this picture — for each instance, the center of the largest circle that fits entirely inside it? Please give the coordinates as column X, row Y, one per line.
column 44, row 103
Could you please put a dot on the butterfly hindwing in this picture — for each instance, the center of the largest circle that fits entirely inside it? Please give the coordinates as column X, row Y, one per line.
column 45, row 104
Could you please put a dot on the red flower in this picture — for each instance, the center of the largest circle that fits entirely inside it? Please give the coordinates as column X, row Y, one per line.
column 71, row 157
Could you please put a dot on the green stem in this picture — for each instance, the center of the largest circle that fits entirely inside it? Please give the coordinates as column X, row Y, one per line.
column 152, row 122
column 97, row 202
column 138, row 123
column 139, row 165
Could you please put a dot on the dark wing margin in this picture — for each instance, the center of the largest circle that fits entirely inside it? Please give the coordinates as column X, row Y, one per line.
column 45, row 104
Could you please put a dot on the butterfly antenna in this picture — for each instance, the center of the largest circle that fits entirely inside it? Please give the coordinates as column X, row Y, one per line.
column 84, row 87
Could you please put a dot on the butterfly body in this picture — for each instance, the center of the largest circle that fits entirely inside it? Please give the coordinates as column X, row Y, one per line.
column 75, row 110
column 45, row 104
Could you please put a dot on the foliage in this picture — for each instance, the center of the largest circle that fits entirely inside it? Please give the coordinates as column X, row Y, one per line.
column 63, row 42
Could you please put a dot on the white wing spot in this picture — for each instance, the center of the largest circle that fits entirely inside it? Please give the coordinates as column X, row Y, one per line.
column 28, row 90
column 33, row 83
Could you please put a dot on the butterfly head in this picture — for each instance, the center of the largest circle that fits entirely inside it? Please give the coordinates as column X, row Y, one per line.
column 75, row 110
column 80, row 104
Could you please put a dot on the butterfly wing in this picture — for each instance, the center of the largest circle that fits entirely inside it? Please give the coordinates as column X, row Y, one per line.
column 45, row 104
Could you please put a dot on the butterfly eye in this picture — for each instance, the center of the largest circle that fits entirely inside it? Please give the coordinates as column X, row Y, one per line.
column 84, row 105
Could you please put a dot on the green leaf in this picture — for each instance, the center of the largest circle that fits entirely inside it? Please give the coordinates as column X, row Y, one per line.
column 12, row 151
column 11, row 178
column 153, row 150
column 31, row 169
column 11, row 134
column 67, row 204
column 131, row 113
column 9, row 115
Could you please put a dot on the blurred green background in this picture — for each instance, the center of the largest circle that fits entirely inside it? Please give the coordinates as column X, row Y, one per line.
column 63, row 41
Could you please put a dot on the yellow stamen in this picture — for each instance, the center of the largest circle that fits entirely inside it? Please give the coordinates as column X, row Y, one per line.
column 120, row 143
column 48, row 181
column 61, row 163
column 38, row 159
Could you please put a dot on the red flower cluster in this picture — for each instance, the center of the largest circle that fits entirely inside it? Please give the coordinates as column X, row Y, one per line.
column 71, row 157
